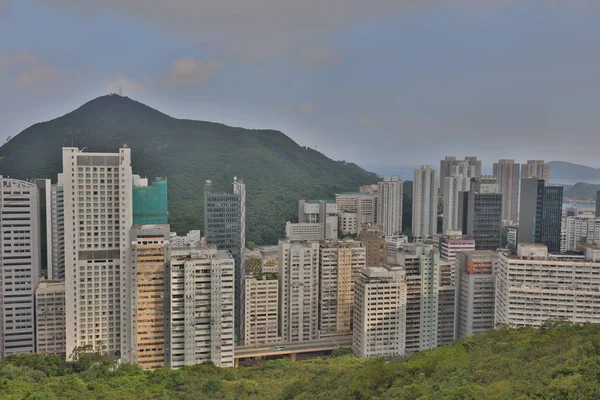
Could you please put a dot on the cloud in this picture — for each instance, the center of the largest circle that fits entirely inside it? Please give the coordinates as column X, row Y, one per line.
column 26, row 71
column 317, row 57
column 5, row 7
column 183, row 73
column 369, row 121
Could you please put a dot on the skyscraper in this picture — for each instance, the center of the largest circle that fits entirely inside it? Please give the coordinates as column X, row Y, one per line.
column 452, row 187
column 540, row 213
column 389, row 205
column 298, row 290
column 146, row 309
column 56, row 234
column 379, row 313
column 98, row 215
column 480, row 213
column 448, row 162
column 425, row 198
column 201, row 299
column 375, row 245
column 225, row 227
column 149, row 202
column 20, row 251
column 536, row 169
column 508, row 174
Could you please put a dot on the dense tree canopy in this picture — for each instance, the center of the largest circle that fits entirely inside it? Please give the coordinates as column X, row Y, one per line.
column 559, row 361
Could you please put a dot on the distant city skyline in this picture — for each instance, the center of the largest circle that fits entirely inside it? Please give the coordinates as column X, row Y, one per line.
column 386, row 82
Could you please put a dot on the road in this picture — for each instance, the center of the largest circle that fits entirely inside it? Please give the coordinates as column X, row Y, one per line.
column 296, row 347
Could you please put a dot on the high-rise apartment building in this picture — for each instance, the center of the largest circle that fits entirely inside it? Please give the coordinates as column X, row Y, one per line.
column 262, row 310
column 474, row 293
column 580, row 230
column 97, row 218
column 480, row 213
column 453, row 186
column 201, row 317
column 470, row 167
column 508, row 174
column 225, row 227
column 149, row 202
column 389, row 205
column 55, row 237
column 339, row 266
column 532, row 287
column 298, row 290
column 379, row 313
column 375, row 245
column 50, row 317
column 536, row 169
column 430, row 298
column 364, row 205
column 425, row 198
column 20, row 259
column 540, row 213
column 453, row 243
column 145, row 312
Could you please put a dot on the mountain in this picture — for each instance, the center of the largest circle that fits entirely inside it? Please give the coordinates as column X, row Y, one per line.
column 277, row 171
column 581, row 191
column 557, row 361
column 564, row 170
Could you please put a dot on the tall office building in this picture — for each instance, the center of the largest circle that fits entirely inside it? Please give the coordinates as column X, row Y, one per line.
column 20, row 250
column 50, row 317
column 474, row 293
column 389, row 205
column 375, row 245
column 339, row 266
column 536, row 169
column 298, row 290
column 201, row 299
column 425, row 198
column 379, row 313
column 323, row 212
column 470, row 167
column 225, row 227
column 540, row 213
column 145, row 311
column 532, row 287
column 149, row 202
column 262, row 310
column 97, row 219
column 453, row 186
column 55, row 239
column 480, row 213
column 508, row 174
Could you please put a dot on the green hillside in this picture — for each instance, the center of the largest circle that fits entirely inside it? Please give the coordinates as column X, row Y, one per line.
column 277, row 171
column 582, row 191
column 555, row 362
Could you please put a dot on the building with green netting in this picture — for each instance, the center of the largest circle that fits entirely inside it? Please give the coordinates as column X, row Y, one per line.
column 150, row 202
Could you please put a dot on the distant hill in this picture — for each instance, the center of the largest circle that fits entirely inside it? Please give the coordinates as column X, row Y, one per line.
column 581, row 191
column 276, row 170
column 566, row 170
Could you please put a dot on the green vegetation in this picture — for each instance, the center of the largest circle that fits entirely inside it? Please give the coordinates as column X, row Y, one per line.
column 581, row 191
column 277, row 171
column 558, row 361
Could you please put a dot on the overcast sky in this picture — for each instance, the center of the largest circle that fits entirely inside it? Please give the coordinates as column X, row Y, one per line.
column 371, row 81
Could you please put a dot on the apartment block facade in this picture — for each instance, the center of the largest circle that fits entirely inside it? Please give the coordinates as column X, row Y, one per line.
column 262, row 310
column 50, row 317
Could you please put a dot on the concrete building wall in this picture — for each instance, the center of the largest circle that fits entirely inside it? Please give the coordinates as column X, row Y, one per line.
column 389, row 205
column 425, row 198
column 262, row 311
column 50, row 317
column 20, row 259
column 98, row 214
column 452, row 187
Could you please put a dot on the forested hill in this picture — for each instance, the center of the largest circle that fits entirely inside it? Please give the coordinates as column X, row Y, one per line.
column 277, row 171
column 556, row 362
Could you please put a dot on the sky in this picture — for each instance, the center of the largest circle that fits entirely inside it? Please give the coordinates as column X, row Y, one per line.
column 376, row 82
